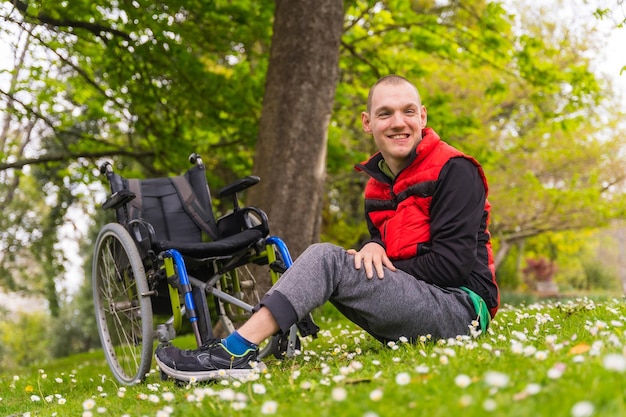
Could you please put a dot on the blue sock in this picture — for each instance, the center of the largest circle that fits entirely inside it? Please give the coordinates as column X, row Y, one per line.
column 237, row 344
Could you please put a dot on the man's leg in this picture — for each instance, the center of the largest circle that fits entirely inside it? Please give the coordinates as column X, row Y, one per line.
column 259, row 327
column 398, row 305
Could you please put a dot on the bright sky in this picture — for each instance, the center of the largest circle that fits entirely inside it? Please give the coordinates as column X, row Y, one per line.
column 610, row 57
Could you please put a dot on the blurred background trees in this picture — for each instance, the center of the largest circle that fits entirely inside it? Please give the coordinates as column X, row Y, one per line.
column 276, row 88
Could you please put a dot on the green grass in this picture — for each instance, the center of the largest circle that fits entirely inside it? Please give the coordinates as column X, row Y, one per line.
column 554, row 358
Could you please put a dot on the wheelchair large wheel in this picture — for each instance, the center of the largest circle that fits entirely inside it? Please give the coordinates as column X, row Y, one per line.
column 122, row 305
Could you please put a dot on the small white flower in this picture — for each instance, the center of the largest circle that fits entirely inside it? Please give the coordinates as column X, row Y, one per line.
column 89, row 404
column 403, row 378
column 465, row 400
column 376, row 395
column 339, row 394
column 269, row 407
column 496, row 379
column 258, row 389
column 583, row 409
column 556, row 371
column 422, row 369
column 532, row 389
column 614, row 362
column 530, row 350
column 168, row 396
column 227, row 394
column 489, row 404
column 35, row 398
column 238, row 405
column 462, row 381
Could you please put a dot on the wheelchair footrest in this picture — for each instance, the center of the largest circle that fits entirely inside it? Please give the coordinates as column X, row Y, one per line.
column 307, row 327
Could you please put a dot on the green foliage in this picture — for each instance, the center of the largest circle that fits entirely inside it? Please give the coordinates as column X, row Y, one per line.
column 146, row 83
column 23, row 340
column 598, row 277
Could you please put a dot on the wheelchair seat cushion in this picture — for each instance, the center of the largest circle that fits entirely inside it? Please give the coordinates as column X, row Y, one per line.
column 223, row 247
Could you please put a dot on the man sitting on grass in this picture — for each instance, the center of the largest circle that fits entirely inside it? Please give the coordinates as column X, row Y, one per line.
column 427, row 268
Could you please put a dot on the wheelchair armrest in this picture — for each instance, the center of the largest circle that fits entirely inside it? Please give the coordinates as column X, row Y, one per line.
column 243, row 219
column 239, row 185
column 118, row 199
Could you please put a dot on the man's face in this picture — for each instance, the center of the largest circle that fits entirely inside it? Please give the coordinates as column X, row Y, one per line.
column 396, row 119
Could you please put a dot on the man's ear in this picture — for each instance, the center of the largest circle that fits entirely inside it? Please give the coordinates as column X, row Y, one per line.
column 365, row 121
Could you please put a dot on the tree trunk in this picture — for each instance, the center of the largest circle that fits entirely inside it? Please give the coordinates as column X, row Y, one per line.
column 291, row 150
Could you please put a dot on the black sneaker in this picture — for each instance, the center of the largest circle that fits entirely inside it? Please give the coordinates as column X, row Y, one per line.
column 209, row 362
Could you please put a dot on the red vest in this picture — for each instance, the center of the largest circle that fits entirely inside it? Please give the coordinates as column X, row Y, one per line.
column 400, row 210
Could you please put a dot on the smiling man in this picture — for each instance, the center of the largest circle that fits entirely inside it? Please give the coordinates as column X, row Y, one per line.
column 427, row 269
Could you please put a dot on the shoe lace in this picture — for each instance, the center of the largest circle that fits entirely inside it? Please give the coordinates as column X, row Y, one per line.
column 210, row 343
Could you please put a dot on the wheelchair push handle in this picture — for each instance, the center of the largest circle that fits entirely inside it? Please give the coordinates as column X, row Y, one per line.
column 195, row 159
column 106, row 168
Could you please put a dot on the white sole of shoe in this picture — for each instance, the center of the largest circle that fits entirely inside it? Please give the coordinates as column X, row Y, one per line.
column 214, row 375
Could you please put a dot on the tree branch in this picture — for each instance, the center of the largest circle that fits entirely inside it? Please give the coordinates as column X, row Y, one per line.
column 72, row 156
column 96, row 29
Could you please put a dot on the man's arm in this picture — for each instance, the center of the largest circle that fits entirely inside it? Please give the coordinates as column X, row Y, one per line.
column 456, row 212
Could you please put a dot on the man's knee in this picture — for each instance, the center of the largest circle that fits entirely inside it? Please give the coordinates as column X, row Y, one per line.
column 322, row 249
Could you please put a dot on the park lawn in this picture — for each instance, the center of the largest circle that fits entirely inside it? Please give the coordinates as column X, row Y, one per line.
column 553, row 358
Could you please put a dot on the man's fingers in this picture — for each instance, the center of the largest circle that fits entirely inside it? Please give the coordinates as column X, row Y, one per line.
column 358, row 261
column 387, row 262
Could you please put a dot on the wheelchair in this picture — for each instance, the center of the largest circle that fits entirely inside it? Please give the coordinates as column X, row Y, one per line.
column 167, row 266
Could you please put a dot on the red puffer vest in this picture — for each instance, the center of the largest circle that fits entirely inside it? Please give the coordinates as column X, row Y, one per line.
column 401, row 212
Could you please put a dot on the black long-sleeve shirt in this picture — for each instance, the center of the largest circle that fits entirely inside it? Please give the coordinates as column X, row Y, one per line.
column 457, row 253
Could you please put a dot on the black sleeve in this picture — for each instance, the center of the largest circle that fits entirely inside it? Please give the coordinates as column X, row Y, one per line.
column 374, row 233
column 456, row 212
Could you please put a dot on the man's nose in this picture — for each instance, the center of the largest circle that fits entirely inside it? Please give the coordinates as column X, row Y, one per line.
column 397, row 119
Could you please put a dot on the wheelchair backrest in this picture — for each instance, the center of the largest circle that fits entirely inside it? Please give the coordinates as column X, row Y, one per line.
column 178, row 208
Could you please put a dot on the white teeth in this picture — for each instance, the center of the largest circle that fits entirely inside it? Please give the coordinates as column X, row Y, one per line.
column 398, row 136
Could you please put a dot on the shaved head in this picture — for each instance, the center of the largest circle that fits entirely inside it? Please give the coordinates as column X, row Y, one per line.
column 388, row 79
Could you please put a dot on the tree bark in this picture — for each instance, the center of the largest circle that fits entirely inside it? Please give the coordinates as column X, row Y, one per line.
column 299, row 92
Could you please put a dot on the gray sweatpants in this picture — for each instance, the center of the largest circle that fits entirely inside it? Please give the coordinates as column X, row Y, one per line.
column 397, row 305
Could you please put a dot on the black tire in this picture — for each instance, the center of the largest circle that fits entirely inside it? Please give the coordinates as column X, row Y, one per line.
column 122, row 305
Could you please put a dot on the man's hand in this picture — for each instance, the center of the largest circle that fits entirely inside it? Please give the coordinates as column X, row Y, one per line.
column 373, row 257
